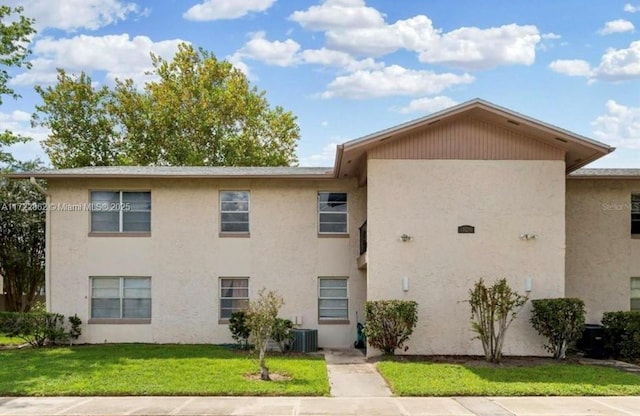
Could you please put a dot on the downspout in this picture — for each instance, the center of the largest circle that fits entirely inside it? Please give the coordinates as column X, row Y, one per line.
column 47, row 243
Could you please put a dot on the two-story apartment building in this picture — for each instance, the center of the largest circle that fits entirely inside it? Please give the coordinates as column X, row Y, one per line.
column 419, row 211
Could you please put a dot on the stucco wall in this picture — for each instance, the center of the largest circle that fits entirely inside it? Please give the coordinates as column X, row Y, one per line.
column 185, row 256
column 601, row 255
column 428, row 200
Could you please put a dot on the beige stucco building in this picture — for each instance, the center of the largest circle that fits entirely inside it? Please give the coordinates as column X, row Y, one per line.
column 419, row 211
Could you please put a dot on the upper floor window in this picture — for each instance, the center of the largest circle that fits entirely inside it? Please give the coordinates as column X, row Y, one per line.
column 234, row 211
column 120, row 212
column 332, row 213
column 635, row 214
column 121, row 297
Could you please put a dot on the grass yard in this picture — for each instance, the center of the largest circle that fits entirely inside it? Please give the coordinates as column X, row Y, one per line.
column 143, row 369
column 556, row 379
column 4, row 340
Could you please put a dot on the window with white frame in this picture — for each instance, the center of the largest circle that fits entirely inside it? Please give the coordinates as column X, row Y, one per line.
column 635, row 214
column 234, row 211
column 234, row 295
column 120, row 212
column 121, row 297
column 333, row 299
column 332, row 213
column 635, row 294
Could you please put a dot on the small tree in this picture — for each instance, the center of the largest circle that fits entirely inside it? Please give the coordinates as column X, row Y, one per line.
column 560, row 321
column 390, row 323
column 493, row 309
column 261, row 316
column 240, row 332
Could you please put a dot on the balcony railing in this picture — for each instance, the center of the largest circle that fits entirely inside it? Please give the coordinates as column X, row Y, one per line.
column 363, row 238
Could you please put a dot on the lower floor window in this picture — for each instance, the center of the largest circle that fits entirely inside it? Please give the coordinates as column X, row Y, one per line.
column 635, row 294
column 333, row 298
column 121, row 297
column 234, row 295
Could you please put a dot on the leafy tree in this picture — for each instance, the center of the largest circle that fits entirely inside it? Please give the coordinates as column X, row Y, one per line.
column 390, row 323
column 261, row 318
column 560, row 321
column 493, row 309
column 22, row 240
column 199, row 112
column 83, row 133
column 15, row 34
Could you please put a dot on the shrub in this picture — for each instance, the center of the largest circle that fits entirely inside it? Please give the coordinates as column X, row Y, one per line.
column 493, row 309
column 240, row 332
column 282, row 334
column 560, row 321
column 622, row 334
column 389, row 323
column 39, row 328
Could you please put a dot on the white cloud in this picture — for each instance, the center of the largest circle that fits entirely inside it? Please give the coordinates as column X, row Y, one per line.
column 390, row 81
column 473, row 48
column 118, row 55
column 630, row 8
column 18, row 122
column 427, row 105
column 615, row 65
column 620, row 126
column 226, row 9
column 272, row 53
column 550, row 36
column 571, row 67
column 620, row 64
column 326, row 157
column 72, row 15
column 328, row 57
column 287, row 53
column 616, row 26
column 351, row 26
column 337, row 15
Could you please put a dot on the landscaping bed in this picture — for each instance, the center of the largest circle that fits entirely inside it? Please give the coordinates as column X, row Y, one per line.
column 517, row 376
column 153, row 369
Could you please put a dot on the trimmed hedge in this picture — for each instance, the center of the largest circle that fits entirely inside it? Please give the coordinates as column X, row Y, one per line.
column 622, row 333
column 560, row 321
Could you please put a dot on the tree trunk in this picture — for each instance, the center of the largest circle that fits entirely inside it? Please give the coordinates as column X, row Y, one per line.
column 264, row 371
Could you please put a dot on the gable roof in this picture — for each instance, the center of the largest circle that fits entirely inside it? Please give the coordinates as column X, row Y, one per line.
column 604, row 173
column 579, row 150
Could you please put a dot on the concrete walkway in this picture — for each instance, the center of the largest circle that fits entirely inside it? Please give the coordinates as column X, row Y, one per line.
column 350, row 375
column 316, row 406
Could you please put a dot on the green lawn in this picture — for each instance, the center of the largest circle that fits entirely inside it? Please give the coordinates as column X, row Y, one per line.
column 138, row 369
column 436, row 379
column 4, row 340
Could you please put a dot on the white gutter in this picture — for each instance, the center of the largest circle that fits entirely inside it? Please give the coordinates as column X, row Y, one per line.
column 47, row 243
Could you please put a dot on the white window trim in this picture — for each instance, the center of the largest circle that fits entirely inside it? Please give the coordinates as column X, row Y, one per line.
column 330, row 319
column 120, row 297
column 248, row 211
column 346, row 213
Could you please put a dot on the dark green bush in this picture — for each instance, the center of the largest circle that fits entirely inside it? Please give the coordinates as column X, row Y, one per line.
column 622, row 334
column 240, row 331
column 389, row 323
column 39, row 328
column 282, row 334
column 560, row 321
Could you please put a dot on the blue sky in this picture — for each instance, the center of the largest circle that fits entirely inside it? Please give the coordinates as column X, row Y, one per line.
column 348, row 68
